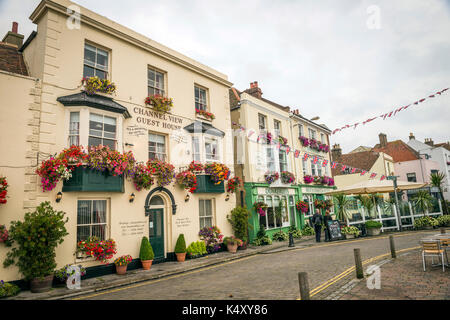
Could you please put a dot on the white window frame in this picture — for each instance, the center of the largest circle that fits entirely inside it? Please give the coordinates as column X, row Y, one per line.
column 103, row 131
column 198, row 101
column 163, row 90
column 156, row 150
column 300, row 130
column 312, row 133
column 286, row 210
column 97, row 66
column 212, row 216
column 202, row 152
column 84, row 125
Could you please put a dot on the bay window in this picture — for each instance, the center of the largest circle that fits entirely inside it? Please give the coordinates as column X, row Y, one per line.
column 102, row 131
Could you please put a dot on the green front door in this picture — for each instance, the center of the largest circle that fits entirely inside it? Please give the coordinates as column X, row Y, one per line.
column 156, row 232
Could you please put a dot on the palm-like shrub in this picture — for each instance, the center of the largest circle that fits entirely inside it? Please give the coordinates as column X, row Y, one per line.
column 437, row 180
column 423, row 200
column 342, row 202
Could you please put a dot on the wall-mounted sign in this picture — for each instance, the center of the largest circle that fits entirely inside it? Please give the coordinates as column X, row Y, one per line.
column 136, row 131
column 156, row 119
column 132, row 228
column 183, row 222
column 315, row 190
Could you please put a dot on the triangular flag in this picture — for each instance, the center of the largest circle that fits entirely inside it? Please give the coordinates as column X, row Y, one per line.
column 288, row 149
column 373, row 175
column 324, row 163
column 382, row 178
column 315, row 159
column 343, row 166
column 297, row 153
column 353, row 170
column 333, row 165
column 305, row 157
column 363, row 172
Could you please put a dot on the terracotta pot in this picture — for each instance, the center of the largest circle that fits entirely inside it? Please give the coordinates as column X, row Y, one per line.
column 181, row 256
column 41, row 285
column 121, row 269
column 146, row 264
column 232, row 247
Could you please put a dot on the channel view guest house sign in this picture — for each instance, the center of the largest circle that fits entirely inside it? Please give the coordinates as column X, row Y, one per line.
column 157, row 120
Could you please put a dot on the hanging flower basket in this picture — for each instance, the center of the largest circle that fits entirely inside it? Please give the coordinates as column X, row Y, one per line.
column 3, row 190
column 302, row 206
column 101, row 250
column 159, row 103
column 304, row 141
column 94, row 85
column 308, row 179
column 233, row 184
column 287, row 177
column 142, row 177
column 187, row 180
column 163, row 171
column 218, row 172
column 261, row 208
column 283, row 141
column 271, row 177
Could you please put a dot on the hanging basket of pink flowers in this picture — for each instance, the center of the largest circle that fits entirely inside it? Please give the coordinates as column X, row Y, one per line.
column 302, row 206
column 260, row 207
column 287, row 177
column 187, row 180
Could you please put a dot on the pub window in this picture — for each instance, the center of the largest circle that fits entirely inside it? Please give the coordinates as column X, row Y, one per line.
column 155, row 83
column 322, row 138
column 95, row 62
column 91, row 219
column 319, row 169
column 200, row 98
column 74, row 129
column 305, row 167
column 156, row 146
column 205, row 213
column 102, row 131
column 300, row 130
column 313, row 168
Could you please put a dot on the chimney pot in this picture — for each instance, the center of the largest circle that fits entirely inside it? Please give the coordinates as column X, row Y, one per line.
column 15, row 27
column 383, row 139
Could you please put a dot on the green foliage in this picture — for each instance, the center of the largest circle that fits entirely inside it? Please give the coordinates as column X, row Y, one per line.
column 196, row 249
column 423, row 200
column 180, row 246
column 373, row 224
column 308, row 231
column 146, row 251
column 232, row 240
column 425, row 222
column 350, row 230
column 280, row 236
column 296, row 233
column 37, row 237
column 342, row 202
column 261, row 238
column 8, row 289
column 444, row 220
column 239, row 222
column 437, row 180
column 261, row 232
column 368, row 203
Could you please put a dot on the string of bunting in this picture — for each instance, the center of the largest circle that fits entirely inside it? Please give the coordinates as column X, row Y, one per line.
column 262, row 138
column 389, row 114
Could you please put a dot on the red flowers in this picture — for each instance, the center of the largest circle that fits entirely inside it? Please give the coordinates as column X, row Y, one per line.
column 205, row 114
column 233, row 184
column 101, row 250
column 187, row 180
column 3, row 191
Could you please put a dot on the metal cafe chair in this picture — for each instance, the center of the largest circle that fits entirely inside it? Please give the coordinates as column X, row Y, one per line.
column 432, row 248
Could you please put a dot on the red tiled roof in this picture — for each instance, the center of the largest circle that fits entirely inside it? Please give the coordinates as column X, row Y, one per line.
column 11, row 59
column 398, row 150
column 445, row 145
column 361, row 160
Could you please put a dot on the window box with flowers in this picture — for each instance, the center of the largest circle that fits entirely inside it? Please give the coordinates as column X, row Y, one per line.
column 95, row 85
column 187, row 180
column 205, row 114
column 100, row 250
column 302, row 206
column 308, row 179
column 304, row 141
column 159, row 103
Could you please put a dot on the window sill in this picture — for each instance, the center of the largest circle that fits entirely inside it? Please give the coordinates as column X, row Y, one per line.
column 203, row 118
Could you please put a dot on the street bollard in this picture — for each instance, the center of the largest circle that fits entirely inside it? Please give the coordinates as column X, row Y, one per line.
column 304, row 285
column 291, row 240
column 392, row 245
column 358, row 264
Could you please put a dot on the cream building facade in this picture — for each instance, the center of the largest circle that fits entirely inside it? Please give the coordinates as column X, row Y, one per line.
column 47, row 111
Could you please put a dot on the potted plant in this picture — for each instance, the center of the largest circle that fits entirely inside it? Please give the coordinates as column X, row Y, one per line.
column 196, row 249
column 350, row 231
column 212, row 237
column 8, row 289
column 180, row 248
column 425, row 222
column 239, row 222
column 62, row 274
column 146, row 253
column 37, row 237
column 232, row 243
column 122, row 263
column 373, row 228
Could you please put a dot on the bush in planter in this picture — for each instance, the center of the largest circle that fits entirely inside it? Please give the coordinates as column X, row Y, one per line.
column 146, row 253
column 425, row 221
column 239, row 222
column 180, row 246
column 280, row 236
column 232, row 240
column 8, row 289
column 296, row 233
column 350, row 230
column 261, row 238
column 308, row 231
column 373, row 224
column 444, row 221
column 196, row 249
column 37, row 237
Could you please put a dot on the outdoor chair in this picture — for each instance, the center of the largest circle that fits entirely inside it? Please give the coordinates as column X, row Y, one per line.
column 445, row 243
column 432, row 248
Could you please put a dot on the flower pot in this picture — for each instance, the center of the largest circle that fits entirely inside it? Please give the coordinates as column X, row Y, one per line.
column 244, row 246
column 146, row 264
column 181, row 256
column 373, row 231
column 38, row 285
column 232, row 248
column 121, row 269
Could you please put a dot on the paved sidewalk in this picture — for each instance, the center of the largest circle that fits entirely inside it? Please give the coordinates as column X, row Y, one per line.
column 159, row 270
column 402, row 278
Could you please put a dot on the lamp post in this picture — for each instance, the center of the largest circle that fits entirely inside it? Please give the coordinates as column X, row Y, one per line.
column 394, row 178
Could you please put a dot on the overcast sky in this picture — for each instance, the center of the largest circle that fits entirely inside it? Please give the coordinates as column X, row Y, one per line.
column 344, row 61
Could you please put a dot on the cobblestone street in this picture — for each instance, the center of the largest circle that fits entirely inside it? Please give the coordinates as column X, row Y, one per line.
column 274, row 275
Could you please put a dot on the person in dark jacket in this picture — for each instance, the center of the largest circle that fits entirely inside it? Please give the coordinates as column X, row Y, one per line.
column 327, row 218
column 317, row 220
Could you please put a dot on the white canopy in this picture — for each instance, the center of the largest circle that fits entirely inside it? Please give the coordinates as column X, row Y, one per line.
column 377, row 186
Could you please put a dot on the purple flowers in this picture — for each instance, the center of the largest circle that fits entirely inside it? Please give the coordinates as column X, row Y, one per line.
column 287, row 177
column 212, row 237
column 271, row 177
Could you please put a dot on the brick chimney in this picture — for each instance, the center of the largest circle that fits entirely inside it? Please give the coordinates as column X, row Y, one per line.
column 411, row 136
column 13, row 37
column 383, row 140
column 254, row 90
column 429, row 142
column 336, row 152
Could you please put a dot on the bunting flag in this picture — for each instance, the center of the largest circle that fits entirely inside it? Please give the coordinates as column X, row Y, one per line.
column 363, row 172
column 373, row 175
column 382, row 177
column 250, row 133
column 305, row 157
column 343, row 166
column 390, row 113
column 333, row 165
column 324, row 162
column 353, row 170
column 288, row 149
column 315, row 159
column 297, row 153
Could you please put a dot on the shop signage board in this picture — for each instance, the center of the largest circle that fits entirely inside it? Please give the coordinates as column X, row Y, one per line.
column 335, row 230
column 315, row 190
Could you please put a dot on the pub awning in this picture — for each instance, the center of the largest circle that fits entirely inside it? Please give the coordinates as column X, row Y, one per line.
column 94, row 101
column 202, row 127
column 377, row 186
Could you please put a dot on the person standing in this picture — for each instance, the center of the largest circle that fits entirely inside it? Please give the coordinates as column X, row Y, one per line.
column 317, row 220
column 327, row 218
